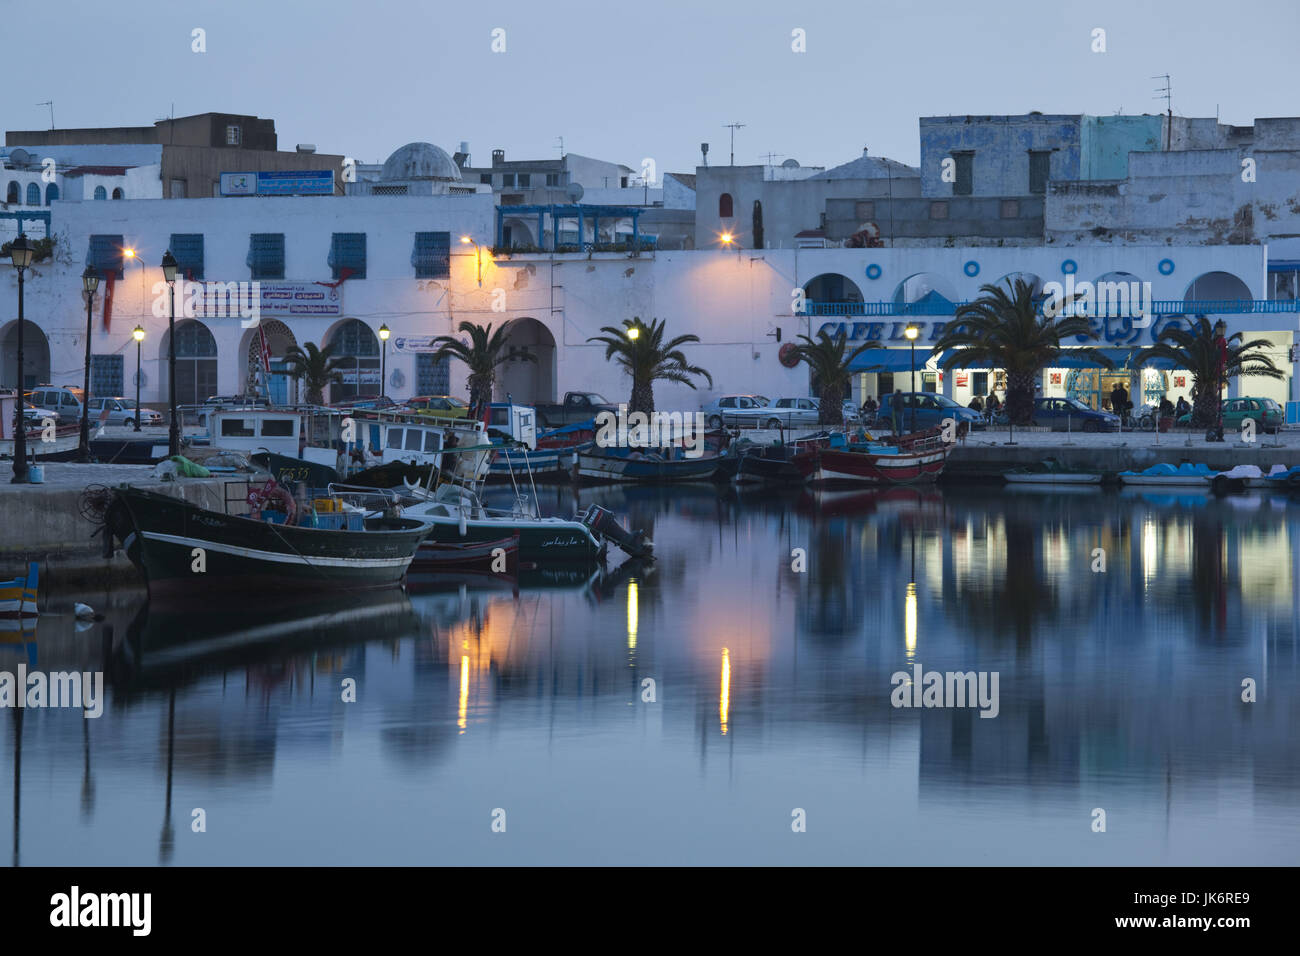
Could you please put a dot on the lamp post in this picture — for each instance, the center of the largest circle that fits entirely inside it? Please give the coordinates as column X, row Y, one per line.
column 89, row 282
column 1221, row 348
column 383, row 362
column 20, row 252
column 174, row 429
column 138, row 334
column 634, row 333
column 911, row 332
column 478, row 254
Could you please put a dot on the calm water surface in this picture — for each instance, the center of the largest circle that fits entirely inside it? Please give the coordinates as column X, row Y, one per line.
column 1119, row 690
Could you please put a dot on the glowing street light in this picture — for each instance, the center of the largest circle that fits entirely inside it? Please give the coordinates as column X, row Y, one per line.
column 478, row 254
column 911, row 332
column 138, row 334
column 383, row 365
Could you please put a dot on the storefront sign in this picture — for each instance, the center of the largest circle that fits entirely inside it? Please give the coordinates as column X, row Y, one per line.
column 279, row 182
column 414, row 343
column 1104, row 329
column 301, row 299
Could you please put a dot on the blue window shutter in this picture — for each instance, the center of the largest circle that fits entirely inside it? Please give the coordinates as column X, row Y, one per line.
column 106, row 255
column 187, row 248
column 348, row 251
column 33, row 194
column 106, row 379
column 266, row 255
column 432, row 255
column 51, row 193
column 101, row 192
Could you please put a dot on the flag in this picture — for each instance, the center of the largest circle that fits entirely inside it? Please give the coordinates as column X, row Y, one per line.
column 109, row 278
column 265, row 349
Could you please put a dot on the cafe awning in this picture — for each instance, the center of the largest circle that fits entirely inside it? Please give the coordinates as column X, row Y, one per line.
column 889, row 360
column 1120, row 359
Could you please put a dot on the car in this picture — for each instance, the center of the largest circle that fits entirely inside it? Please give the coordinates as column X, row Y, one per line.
column 791, row 413
column 1265, row 412
column 443, row 406
column 931, row 411
column 735, row 410
column 365, row 401
column 238, row 401
column 852, row 411
column 121, row 411
column 64, row 402
column 34, row 417
column 1070, row 414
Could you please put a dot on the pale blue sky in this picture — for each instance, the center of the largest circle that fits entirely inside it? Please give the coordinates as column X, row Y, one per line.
column 628, row 81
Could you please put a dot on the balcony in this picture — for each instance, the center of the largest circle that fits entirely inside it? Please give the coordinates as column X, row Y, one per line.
column 1159, row 307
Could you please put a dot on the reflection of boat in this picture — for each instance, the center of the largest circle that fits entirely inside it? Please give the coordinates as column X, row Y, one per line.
column 1185, row 474
column 179, row 546
column 170, row 640
column 634, row 464
column 1049, row 471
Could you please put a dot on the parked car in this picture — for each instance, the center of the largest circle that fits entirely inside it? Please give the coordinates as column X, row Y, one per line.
column 791, row 413
column 735, row 410
column 931, row 409
column 238, row 401
column 852, row 412
column 1070, row 414
column 34, row 417
column 1267, row 414
column 576, row 407
column 64, row 402
column 121, row 411
column 443, row 406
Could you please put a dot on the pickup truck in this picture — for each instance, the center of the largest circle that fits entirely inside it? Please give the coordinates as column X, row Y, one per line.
column 576, row 407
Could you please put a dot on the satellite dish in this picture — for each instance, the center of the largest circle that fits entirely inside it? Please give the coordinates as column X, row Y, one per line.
column 20, row 157
column 574, row 191
column 790, row 164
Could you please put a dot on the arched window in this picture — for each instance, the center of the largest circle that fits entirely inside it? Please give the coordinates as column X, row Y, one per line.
column 356, row 343
column 196, row 363
column 51, row 193
column 724, row 206
column 11, row 194
column 33, row 194
column 117, row 193
column 101, row 192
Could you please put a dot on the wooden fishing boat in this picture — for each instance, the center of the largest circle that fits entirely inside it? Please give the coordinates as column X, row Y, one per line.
column 1049, row 471
column 907, row 459
column 542, row 464
column 18, row 601
column 180, row 547
column 500, row 556
column 634, row 464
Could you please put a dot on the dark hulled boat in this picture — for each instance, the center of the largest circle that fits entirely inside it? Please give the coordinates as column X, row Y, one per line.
column 162, row 534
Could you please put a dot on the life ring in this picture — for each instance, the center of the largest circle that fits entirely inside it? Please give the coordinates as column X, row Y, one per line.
column 258, row 498
column 788, row 355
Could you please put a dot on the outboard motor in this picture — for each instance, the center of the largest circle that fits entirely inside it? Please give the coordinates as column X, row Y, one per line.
column 602, row 523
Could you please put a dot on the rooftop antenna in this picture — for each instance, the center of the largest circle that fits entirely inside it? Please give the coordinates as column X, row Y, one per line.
column 770, row 156
column 1166, row 93
column 560, row 147
column 733, row 127
column 704, row 150
column 50, row 104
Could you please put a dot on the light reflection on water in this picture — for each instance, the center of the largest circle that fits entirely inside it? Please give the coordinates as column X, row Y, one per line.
column 1119, row 689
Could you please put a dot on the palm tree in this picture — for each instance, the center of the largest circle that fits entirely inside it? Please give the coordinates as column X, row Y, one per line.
column 826, row 359
column 316, row 368
column 1002, row 329
column 485, row 351
column 1195, row 350
column 645, row 356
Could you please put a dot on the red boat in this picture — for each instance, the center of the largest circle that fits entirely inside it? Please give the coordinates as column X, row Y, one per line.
column 908, row 459
column 467, row 556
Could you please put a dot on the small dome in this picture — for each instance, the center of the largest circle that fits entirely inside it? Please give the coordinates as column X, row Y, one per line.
column 420, row 161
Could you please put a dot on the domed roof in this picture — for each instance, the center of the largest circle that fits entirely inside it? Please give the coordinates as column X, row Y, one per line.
column 420, row 161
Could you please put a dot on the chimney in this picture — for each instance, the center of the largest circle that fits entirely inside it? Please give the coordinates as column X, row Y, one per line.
column 306, row 147
column 864, row 152
column 498, row 157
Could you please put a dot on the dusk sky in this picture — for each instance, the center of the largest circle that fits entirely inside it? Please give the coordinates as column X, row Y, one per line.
column 629, row 81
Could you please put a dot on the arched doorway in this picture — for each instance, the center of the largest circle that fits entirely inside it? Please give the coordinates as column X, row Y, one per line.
column 358, row 346
column 279, row 339
column 925, row 293
column 1215, row 286
column 196, row 363
column 831, row 288
column 36, row 355
column 524, row 381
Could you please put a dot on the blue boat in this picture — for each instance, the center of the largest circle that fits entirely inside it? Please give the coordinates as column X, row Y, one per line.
column 1165, row 474
column 644, row 465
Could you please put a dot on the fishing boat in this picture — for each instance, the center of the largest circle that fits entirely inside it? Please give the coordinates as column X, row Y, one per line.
column 18, row 601
column 500, row 556
column 542, row 464
column 1049, row 471
column 644, row 465
column 1183, row 475
column 907, row 459
column 180, row 547
column 779, row 462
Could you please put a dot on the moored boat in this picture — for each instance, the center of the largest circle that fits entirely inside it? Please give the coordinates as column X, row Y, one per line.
column 1182, row 475
column 180, row 547
column 908, row 459
column 1049, row 471
column 18, row 600
column 500, row 556
column 634, row 464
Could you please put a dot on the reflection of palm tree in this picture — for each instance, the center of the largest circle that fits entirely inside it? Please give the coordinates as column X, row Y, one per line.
column 1209, row 576
column 832, row 610
column 18, row 773
column 167, row 839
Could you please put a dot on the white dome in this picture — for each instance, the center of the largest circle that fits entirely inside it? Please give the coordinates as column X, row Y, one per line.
column 420, row 161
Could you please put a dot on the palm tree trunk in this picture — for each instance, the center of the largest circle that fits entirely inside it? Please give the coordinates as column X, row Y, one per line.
column 832, row 405
column 643, row 398
column 1020, row 397
column 1205, row 406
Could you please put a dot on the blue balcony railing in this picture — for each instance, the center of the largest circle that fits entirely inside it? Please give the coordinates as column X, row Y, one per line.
column 1158, row 307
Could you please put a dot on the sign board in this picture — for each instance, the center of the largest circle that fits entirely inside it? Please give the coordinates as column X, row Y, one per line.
column 279, row 182
column 273, row 298
column 414, row 343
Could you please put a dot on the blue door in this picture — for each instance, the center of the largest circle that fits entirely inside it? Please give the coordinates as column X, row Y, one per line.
column 279, row 383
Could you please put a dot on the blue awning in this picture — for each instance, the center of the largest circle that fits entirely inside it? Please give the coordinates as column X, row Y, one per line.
column 1120, row 358
column 889, row 360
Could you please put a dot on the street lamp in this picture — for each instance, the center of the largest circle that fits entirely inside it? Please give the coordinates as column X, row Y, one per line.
column 89, row 282
column 383, row 363
column 20, row 251
column 911, row 332
column 478, row 254
column 138, row 334
column 174, row 429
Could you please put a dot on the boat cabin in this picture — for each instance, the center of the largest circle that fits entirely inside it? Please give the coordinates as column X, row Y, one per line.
column 514, row 421
column 311, row 436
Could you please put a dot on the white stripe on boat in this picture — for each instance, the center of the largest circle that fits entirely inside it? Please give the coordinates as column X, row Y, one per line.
column 311, row 561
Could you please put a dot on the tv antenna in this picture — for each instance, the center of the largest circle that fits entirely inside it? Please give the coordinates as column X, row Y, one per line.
column 770, row 156
column 50, row 104
column 733, row 127
column 560, row 145
column 1166, row 93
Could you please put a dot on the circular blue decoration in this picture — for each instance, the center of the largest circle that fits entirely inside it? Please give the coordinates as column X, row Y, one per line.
column 971, row 268
column 1069, row 267
column 1166, row 266
column 873, row 271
